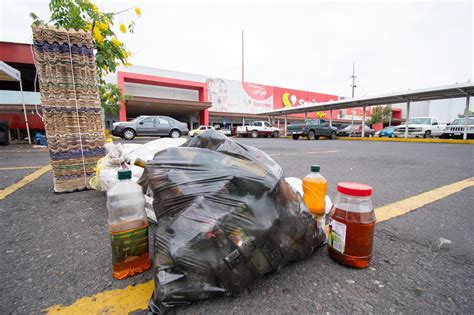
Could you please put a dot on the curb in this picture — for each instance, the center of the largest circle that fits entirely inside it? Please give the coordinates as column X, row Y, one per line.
column 451, row 141
column 419, row 140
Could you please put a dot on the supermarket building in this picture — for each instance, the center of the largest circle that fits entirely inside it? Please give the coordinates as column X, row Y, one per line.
column 198, row 99
column 191, row 98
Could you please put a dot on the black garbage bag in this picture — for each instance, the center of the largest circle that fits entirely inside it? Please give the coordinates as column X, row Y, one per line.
column 226, row 217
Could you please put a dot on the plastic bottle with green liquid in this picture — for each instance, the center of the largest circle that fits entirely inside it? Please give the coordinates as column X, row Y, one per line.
column 128, row 227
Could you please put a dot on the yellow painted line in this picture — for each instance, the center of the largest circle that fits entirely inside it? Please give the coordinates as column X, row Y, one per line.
column 422, row 140
column 12, row 168
column 133, row 298
column 119, row 301
column 399, row 208
column 24, row 181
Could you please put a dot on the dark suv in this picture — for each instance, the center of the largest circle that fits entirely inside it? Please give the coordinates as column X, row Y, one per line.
column 313, row 129
column 162, row 126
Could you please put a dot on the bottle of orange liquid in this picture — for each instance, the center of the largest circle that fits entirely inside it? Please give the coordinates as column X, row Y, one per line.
column 128, row 227
column 314, row 191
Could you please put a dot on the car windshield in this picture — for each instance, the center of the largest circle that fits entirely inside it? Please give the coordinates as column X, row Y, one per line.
column 460, row 121
column 349, row 128
column 388, row 128
column 419, row 121
column 137, row 118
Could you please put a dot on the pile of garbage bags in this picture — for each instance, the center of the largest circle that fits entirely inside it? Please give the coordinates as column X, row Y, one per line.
column 120, row 155
column 226, row 217
column 123, row 156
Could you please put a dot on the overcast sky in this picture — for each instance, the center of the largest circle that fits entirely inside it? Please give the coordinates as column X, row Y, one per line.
column 300, row 45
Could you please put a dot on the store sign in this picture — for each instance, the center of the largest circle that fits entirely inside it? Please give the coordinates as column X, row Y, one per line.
column 257, row 91
column 291, row 100
column 286, row 98
column 358, row 112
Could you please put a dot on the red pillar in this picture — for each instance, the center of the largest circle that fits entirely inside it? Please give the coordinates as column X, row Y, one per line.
column 204, row 117
column 203, row 114
column 123, row 107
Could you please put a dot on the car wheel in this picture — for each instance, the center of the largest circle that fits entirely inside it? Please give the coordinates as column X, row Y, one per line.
column 275, row 134
column 427, row 134
column 333, row 136
column 311, row 135
column 128, row 134
column 175, row 133
column 295, row 137
column 254, row 134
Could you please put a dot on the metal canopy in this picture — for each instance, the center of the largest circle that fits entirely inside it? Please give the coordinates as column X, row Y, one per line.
column 8, row 73
column 160, row 106
column 444, row 92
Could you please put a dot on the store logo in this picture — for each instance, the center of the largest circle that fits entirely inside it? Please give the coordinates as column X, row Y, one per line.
column 288, row 100
column 257, row 92
column 291, row 100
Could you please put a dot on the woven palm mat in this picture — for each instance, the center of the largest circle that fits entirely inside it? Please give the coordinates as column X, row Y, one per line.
column 70, row 100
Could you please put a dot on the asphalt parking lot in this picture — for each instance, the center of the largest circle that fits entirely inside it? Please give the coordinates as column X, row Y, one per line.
column 55, row 247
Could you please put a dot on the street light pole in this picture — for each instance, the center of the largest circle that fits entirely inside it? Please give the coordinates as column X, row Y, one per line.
column 353, row 88
column 243, row 77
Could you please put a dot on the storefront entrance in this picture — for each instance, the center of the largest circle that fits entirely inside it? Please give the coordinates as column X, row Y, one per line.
column 189, row 111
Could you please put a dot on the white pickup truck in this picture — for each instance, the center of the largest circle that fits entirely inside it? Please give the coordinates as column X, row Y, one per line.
column 425, row 127
column 258, row 128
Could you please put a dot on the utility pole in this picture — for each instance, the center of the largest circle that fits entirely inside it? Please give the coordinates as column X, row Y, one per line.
column 353, row 87
column 243, row 78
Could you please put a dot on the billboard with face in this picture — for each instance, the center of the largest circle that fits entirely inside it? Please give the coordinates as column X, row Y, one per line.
column 250, row 98
column 239, row 97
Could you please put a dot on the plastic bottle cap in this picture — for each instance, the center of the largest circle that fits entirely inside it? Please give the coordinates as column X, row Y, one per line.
column 124, row 174
column 315, row 168
column 354, row 189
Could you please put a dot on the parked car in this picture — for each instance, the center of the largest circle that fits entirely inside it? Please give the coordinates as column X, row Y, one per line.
column 425, row 127
column 456, row 129
column 225, row 131
column 258, row 128
column 356, row 131
column 386, row 132
column 199, row 130
column 162, row 126
column 312, row 129
column 342, row 126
